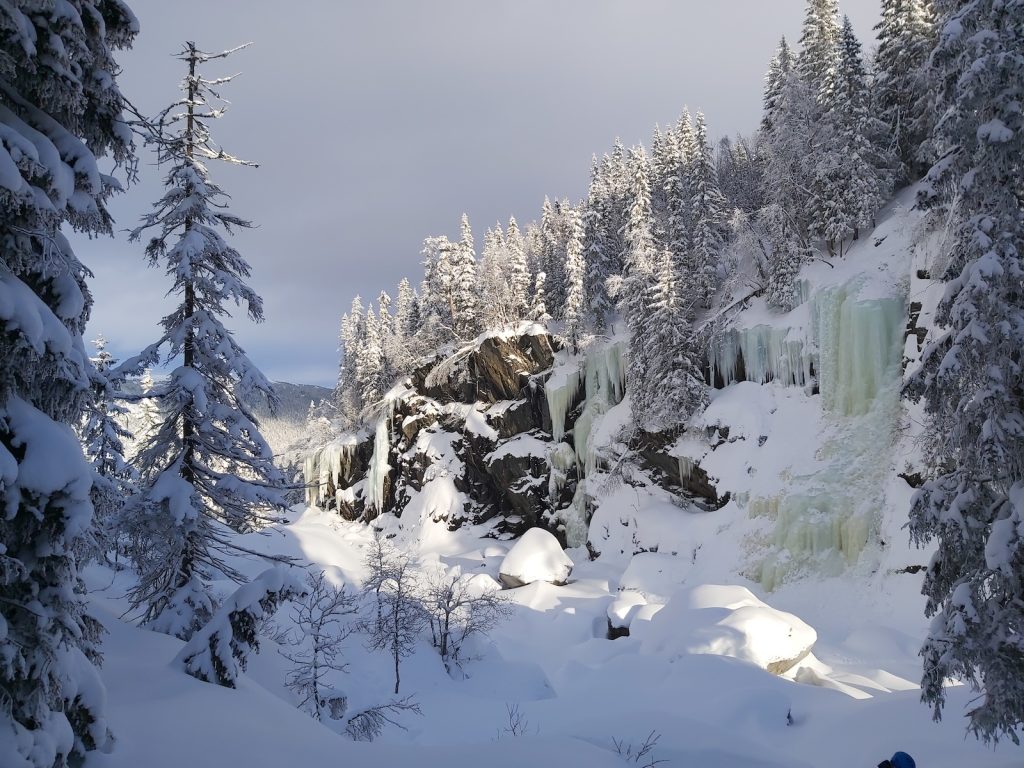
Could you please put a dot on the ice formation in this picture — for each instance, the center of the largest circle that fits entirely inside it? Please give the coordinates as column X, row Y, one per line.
column 327, row 467
column 561, row 459
column 379, row 467
column 560, row 390
column 605, row 384
column 766, row 353
column 824, row 520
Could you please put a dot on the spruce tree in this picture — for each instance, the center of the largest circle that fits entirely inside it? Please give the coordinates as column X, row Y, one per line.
column 207, row 470
column 518, row 270
column 465, row 307
column 671, row 388
column 906, row 36
column 971, row 378
column 851, row 180
column 599, row 244
column 575, row 273
column 347, row 399
column 103, row 436
column 60, row 111
column 709, row 214
column 778, row 70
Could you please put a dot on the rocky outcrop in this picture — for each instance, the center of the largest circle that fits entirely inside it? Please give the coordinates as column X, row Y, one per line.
column 652, row 449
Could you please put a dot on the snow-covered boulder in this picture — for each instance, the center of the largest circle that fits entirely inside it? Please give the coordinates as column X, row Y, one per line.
column 537, row 556
column 726, row 621
column 654, row 575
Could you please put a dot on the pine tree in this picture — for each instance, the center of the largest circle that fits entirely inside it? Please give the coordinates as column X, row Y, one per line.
column 598, row 245
column 437, row 304
column 906, row 36
column 60, row 111
column 465, row 310
column 552, row 257
column 539, row 308
column 208, row 465
column 778, row 70
column 498, row 302
column 347, row 398
column 575, row 272
column 709, row 216
column 819, row 42
column 632, row 290
column 103, row 438
column 671, row 388
column 369, row 362
column 851, row 179
column 518, row 270
column 404, row 350
column 971, row 379
column 150, row 415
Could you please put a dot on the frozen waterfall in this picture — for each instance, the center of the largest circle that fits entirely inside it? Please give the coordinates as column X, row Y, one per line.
column 379, row 467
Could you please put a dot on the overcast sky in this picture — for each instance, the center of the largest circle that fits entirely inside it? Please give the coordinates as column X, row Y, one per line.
column 378, row 123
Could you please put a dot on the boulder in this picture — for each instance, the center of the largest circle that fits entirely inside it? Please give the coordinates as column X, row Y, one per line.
column 537, row 556
column 518, row 470
column 513, row 417
column 726, row 621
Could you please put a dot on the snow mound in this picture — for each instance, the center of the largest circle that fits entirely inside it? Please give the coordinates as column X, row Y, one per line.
column 726, row 621
column 537, row 556
column 655, row 576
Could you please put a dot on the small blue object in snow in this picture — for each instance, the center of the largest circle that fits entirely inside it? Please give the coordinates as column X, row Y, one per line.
column 899, row 760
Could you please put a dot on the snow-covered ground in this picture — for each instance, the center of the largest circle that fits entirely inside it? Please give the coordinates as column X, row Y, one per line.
column 575, row 690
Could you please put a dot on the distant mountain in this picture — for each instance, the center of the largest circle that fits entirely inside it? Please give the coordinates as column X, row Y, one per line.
column 295, row 400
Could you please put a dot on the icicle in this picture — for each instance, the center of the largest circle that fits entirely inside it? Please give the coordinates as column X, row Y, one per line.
column 561, row 459
column 860, row 343
column 379, row 467
column 311, row 477
column 574, row 517
column 768, row 354
column 560, row 390
column 686, row 467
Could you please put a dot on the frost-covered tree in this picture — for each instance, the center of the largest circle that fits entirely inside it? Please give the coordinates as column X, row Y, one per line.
column 554, row 237
column 852, row 176
column 369, row 362
column 819, row 42
column 499, row 304
column 437, row 305
column 60, row 110
column 400, row 616
column 219, row 650
column 631, row 291
column 906, row 37
column 207, row 469
column 458, row 609
column 778, row 70
column 539, row 307
column 518, row 269
column 347, row 397
column 315, row 651
column 671, row 387
column 403, row 349
column 575, row 275
column 150, row 416
column 599, row 244
column 103, row 438
column 971, row 379
column 465, row 307
column 709, row 214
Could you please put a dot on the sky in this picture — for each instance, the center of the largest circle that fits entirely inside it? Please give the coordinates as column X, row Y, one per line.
column 378, row 123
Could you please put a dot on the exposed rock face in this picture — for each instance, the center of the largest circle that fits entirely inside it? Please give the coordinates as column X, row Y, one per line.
column 472, row 432
column 654, row 457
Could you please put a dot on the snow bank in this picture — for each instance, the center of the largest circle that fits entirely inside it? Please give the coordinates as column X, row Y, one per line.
column 537, row 556
column 726, row 621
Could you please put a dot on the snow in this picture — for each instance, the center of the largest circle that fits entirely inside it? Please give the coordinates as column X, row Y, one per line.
column 726, row 620
column 537, row 556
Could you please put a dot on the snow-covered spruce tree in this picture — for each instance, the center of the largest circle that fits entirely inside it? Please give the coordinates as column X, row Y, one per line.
column 347, row 398
column 778, row 69
column 852, row 178
column 103, row 437
column 539, row 307
column 150, row 416
column 518, row 270
column 552, row 258
column 437, row 303
column 402, row 349
column 906, row 37
column 499, row 305
column 218, row 652
column 672, row 386
column 60, row 110
column 575, row 275
column 632, row 291
column 708, row 207
column 819, row 42
column 369, row 362
column 207, row 470
column 972, row 379
column 465, row 308
column 599, row 245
